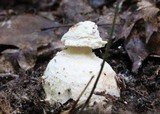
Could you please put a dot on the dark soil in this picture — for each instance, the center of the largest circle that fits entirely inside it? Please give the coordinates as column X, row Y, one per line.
column 21, row 90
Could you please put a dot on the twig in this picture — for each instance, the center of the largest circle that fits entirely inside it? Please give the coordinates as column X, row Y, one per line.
column 6, row 75
column 157, row 56
column 105, row 57
column 137, row 92
column 69, row 25
column 58, row 26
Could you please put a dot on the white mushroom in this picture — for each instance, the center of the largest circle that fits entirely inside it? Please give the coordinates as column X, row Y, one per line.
column 83, row 34
column 70, row 70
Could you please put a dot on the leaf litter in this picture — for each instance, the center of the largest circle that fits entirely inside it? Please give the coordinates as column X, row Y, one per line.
column 139, row 29
column 26, row 50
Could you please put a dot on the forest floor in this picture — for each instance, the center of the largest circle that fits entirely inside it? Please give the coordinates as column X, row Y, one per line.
column 26, row 47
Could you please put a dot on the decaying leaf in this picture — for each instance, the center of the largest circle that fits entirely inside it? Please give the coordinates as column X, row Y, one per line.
column 153, row 45
column 150, row 14
column 148, row 9
column 5, row 107
column 141, row 33
column 130, row 19
column 20, row 59
column 24, row 33
column 97, row 3
column 135, row 46
column 5, row 65
column 36, row 3
column 82, row 10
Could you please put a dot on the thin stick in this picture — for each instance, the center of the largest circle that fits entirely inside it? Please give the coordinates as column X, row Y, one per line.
column 58, row 26
column 105, row 57
column 69, row 25
column 74, row 105
column 7, row 75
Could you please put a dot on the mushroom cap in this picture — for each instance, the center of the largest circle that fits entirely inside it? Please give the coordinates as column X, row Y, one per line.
column 83, row 34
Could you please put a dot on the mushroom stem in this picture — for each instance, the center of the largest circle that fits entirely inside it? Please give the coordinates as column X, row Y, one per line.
column 79, row 50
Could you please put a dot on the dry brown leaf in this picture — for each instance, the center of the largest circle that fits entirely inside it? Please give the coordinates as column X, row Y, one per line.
column 130, row 18
column 4, row 104
column 135, row 45
column 24, row 33
column 150, row 28
column 149, row 10
column 66, row 112
column 82, row 10
column 153, row 44
column 143, row 40
column 5, row 65
column 140, row 31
